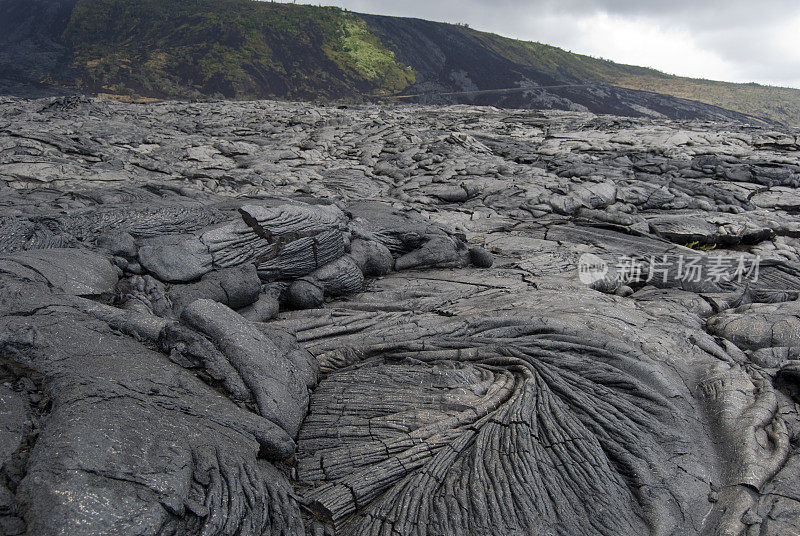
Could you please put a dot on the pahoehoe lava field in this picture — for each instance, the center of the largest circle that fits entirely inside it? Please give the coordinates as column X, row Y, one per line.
column 271, row 318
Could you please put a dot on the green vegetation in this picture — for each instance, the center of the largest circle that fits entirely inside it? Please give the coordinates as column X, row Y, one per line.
column 235, row 48
column 696, row 245
column 371, row 59
column 775, row 103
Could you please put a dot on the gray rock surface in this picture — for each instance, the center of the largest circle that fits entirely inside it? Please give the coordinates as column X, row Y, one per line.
column 277, row 382
column 270, row 318
column 236, row 287
column 73, row 271
column 175, row 258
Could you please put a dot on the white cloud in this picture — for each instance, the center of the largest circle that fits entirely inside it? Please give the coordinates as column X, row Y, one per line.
column 639, row 42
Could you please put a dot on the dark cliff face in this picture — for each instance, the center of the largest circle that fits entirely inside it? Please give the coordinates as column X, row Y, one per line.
column 31, row 50
column 243, row 50
column 448, row 59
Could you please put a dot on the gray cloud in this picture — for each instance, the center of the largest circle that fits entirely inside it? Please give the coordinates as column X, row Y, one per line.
column 751, row 40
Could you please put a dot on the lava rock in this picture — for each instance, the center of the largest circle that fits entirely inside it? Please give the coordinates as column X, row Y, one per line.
column 275, row 381
column 373, row 258
column 175, row 258
column 265, row 308
column 117, row 243
column 74, row 271
column 480, row 257
column 443, row 252
column 306, row 294
column 235, row 287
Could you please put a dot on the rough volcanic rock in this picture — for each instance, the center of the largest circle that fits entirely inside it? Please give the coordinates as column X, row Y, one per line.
column 175, row 258
column 76, row 272
column 145, row 446
column 271, row 318
column 235, row 287
column 278, row 384
column 372, row 258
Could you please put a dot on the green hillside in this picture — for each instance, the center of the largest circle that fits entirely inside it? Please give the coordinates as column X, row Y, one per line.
column 234, row 48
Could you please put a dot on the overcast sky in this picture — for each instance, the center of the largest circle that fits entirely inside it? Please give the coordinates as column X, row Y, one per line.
column 732, row 40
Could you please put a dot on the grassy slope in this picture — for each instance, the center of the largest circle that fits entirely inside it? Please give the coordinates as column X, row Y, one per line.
column 776, row 103
column 237, row 48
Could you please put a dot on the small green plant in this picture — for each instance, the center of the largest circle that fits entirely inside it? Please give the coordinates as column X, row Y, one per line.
column 696, row 245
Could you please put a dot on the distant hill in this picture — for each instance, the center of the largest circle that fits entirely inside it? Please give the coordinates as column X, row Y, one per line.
column 780, row 104
column 245, row 49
